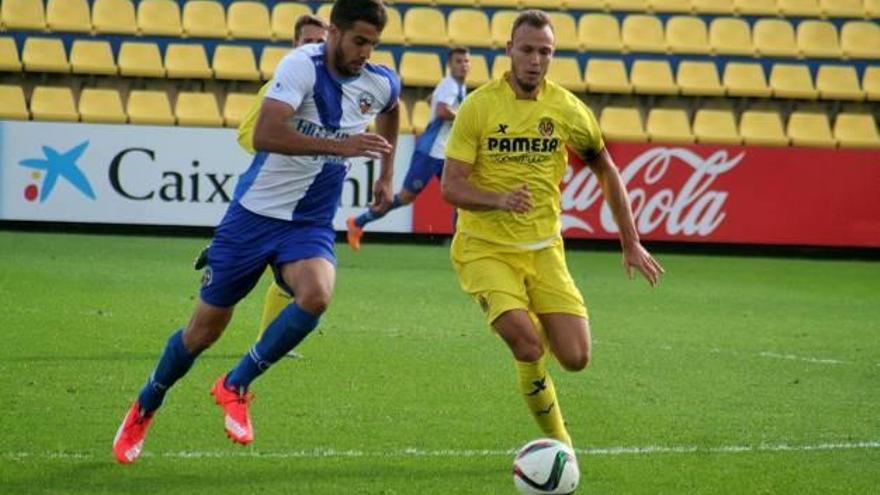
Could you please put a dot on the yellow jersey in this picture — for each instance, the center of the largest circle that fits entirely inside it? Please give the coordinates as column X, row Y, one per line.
column 510, row 142
column 249, row 122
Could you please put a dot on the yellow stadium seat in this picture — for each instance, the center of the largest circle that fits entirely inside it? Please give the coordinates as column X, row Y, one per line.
column 186, row 61
column 393, row 32
column 140, row 59
column 842, row 8
column 643, row 33
column 92, row 57
column 479, row 73
column 249, row 20
column 583, row 4
column 622, row 124
column 762, row 128
column 838, row 82
column 810, row 129
column 774, row 38
column 9, row 59
column 818, row 39
column 674, row 6
column 565, row 31
column 628, row 5
column 424, row 26
column 236, row 106
column 716, row 126
column 69, row 16
column 159, row 17
column 12, row 104
column 756, row 7
column 500, row 65
column 745, row 79
column 269, row 59
column 699, row 78
column 854, row 130
column 325, row 9
column 871, row 83
column 653, row 77
column 53, row 103
column 860, row 39
column 872, row 8
column 792, row 81
column 502, row 23
column 284, row 16
column 114, row 17
column 730, row 36
column 606, row 76
column 420, row 69
column 566, row 72
column 540, row 4
column 149, row 108
column 421, row 113
column 384, row 57
column 469, row 27
column 44, row 55
column 23, row 14
column 669, row 125
column 235, row 62
column 687, row 34
column 506, row 4
column 405, row 124
column 101, row 106
column 197, row 109
column 713, row 7
column 799, row 8
column 599, row 32
column 204, row 19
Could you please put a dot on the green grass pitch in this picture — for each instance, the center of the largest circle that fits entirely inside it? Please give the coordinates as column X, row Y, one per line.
column 738, row 375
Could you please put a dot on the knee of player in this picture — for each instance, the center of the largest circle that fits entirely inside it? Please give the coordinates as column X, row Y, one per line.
column 576, row 360
column 315, row 302
column 528, row 350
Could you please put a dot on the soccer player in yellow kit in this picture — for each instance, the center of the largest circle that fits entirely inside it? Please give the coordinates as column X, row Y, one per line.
column 505, row 159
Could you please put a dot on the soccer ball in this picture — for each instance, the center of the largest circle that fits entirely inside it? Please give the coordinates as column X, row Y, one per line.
column 545, row 466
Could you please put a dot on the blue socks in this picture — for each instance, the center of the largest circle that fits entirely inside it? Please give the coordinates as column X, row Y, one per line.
column 173, row 364
column 291, row 326
column 370, row 215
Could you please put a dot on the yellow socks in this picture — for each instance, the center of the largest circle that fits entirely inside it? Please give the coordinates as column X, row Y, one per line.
column 537, row 388
column 276, row 300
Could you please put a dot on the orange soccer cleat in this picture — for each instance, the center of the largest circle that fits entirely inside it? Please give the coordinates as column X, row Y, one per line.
column 354, row 234
column 130, row 437
column 237, row 421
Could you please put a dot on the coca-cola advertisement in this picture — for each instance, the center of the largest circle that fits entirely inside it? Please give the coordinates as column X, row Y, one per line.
column 729, row 194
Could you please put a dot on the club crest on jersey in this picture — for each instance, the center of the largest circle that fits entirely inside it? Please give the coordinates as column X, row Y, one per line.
column 546, row 127
column 366, row 101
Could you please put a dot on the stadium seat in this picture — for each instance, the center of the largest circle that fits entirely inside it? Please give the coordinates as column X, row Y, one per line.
column 23, row 14
column 872, row 8
column 854, row 130
column 818, row 39
column 745, row 79
column 405, row 124
column 810, row 129
column 643, row 33
column 842, row 8
column 149, row 108
column 713, row 7
column 500, row 65
column 235, row 62
column 204, row 19
column 249, row 20
column 384, row 57
column 622, row 124
column 547, row 5
column 774, row 38
column 469, row 27
column 799, row 8
column 860, row 39
column 756, row 7
column 599, row 32
column 669, row 125
column 502, row 23
column 12, row 104
column 114, row 17
column 9, row 59
column 687, row 34
column 479, row 73
column 716, row 126
column 53, row 103
column 606, row 76
column 628, row 5
column 159, row 18
column 424, row 26
column 68, row 16
column 838, row 82
column 197, row 109
column 671, row 6
column 101, row 106
column 44, row 55
column 420, row 69
column 323, row 11
column 762, row 128
column 792, row 81
column 871, row 83
column 699, row 78
column 566, row 72
column 505, row 4
column 393, row 32
column 269, row 59
column 653, row 77
column 140, row 59
column 730, row 36
column 92, row 57
column 236, row 107
column 284, row 16
column 186, row 61
column 584, row 4
column 565, row 30
column 421, row 113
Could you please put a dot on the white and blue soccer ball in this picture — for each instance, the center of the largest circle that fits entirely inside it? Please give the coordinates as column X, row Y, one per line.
column 545, row 466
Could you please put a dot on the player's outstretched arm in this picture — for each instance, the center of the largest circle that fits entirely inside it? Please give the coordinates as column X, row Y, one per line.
column 461, row 193
column 634, row 255
column 387, row 126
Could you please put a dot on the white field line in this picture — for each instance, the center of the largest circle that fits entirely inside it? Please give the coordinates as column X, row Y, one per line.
column 414, row 452
column 792, row 357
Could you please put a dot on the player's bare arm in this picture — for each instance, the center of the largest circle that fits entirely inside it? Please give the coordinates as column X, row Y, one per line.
column 445, row 112
column 387, row 126
column 462, row 193
column 274, row 134
column 634, row 255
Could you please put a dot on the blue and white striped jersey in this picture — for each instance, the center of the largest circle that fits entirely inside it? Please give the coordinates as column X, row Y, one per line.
column 432, row 142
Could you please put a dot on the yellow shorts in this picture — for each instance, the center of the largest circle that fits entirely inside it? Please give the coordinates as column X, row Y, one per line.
column 502, row 278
